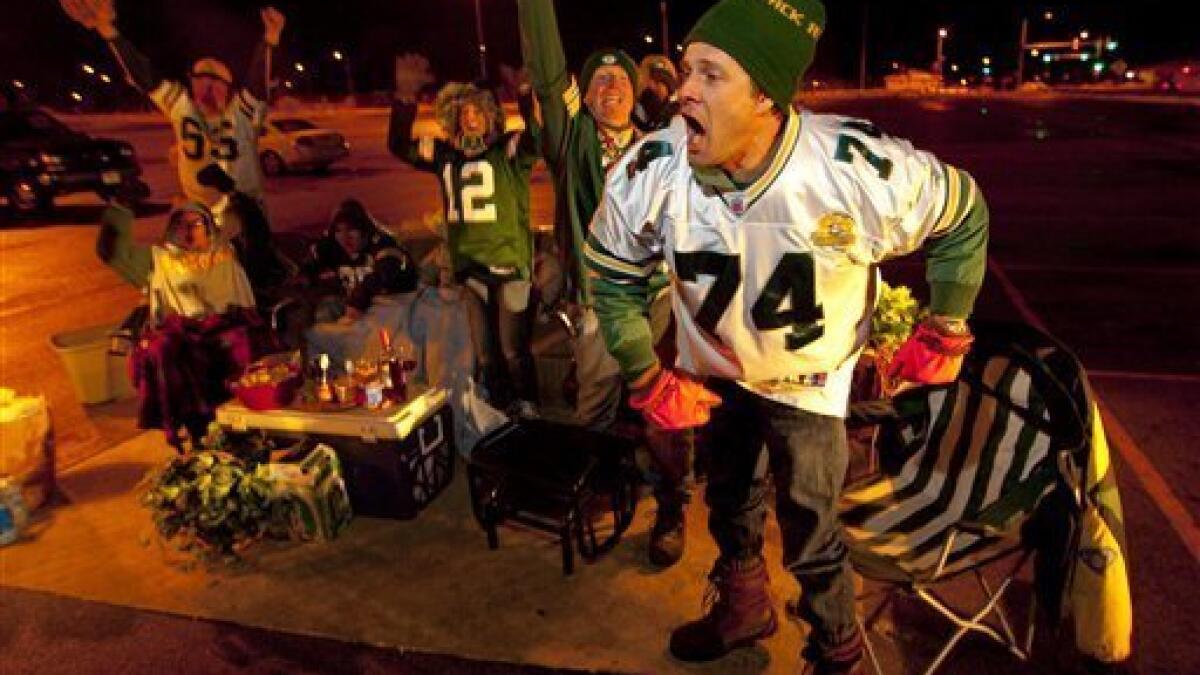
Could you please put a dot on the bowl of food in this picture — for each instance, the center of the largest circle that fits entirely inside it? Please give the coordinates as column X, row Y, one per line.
column 268, row 384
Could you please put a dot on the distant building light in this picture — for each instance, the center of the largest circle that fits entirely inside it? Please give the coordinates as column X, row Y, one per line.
column 1034, row 52
column 337, row 56
column 1084, row 56
column 963, row 81
column 679, row 48
column 942, row 32
column 816, row 84
column 1130, row 74
column 1047, row 58
column 77, row 97
column 1112, row 45
column 987, row 60
column 1049, row 16
column 648, row 39
column 299, row 67
column 987, row 70
column 105, row 78
column 1098, row 67
column 1083, row 34
column 288, row 84
column 954, row 67
column 18, row 84
column 895, row 65
column 87, row 68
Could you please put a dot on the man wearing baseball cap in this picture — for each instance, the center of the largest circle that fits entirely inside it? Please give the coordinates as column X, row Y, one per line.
column 772, row 222
column 212, row 123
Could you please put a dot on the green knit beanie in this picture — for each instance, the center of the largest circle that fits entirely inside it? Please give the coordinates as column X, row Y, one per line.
column 773, row 40
column 607, row 57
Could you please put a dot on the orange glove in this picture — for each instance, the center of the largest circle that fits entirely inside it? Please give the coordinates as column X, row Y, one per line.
column 930, row 355
column 673, row 403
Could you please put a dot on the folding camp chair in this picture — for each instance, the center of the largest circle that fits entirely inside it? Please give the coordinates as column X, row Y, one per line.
column 962, row 468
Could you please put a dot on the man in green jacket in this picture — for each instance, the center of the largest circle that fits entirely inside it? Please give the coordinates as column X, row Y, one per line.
column 772, row 222
column 586, row 126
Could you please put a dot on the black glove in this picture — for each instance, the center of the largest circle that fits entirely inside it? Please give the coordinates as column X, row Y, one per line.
column 213, row 176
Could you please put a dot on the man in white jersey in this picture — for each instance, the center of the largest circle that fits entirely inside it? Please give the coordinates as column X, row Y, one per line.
column 772, row 222
column 212, row 124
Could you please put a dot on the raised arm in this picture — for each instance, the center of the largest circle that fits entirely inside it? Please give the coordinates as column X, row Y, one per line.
column 556, row 90
column 101, row 16
column 258, row 78
column 412, row 73
column 116, row 248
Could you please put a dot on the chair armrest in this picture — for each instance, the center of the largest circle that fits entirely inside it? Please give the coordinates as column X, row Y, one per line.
column 1005, row 515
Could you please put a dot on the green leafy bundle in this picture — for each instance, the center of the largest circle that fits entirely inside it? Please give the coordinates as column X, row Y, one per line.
column 896, row 314
column 212, row 503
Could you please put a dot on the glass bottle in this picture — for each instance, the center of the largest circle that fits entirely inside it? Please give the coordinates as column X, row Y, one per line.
column 391, row 369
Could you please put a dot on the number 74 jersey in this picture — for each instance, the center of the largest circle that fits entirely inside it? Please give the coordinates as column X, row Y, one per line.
column 774, row 284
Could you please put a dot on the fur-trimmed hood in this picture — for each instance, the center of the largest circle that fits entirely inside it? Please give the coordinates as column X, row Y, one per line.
column 454, row 95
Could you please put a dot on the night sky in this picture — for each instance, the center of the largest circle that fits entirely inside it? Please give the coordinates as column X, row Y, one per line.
column 41, row 46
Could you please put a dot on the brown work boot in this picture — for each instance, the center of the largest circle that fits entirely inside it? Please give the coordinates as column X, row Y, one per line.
column 667, row 536
column 739, row 613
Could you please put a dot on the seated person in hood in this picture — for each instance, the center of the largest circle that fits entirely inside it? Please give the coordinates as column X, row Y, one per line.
column 203, row 327
column 341, row 259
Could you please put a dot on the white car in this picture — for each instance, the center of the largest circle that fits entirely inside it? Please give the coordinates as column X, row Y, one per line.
column 289, row 143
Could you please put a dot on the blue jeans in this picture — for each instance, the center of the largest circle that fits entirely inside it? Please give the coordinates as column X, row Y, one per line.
column 807, row 456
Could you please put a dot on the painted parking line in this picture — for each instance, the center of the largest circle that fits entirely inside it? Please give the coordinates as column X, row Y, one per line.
column 1103, row 269
column 1174, row 378
column 1135, row 459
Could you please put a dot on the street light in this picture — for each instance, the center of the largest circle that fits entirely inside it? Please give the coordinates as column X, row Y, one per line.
column 105, row 78
column 666, row 37
column 648, row 39
column 18, row 84
column 987, row 60
column 344, row 59
column 937, row 62
column 87, row 68
column 77, row 97
column 299, row 67
column 479, row 38
column 1083, row 34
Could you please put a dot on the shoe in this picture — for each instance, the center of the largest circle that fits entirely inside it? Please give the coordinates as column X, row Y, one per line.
column 843, row 659
column 523, row 409
column 667, row 536
column 739, row 613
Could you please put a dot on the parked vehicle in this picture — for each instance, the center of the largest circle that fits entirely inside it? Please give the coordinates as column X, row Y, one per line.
column 42, row 158
column 291, row 143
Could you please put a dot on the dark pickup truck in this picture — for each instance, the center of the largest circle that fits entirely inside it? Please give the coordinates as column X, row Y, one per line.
column 41, row 158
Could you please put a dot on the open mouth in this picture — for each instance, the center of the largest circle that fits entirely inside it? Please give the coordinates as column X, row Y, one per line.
column 694, row 128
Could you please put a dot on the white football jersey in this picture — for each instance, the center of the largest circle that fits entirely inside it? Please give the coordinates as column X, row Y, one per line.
column 230, row 141
column 775, row 283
